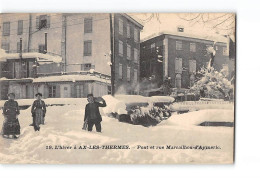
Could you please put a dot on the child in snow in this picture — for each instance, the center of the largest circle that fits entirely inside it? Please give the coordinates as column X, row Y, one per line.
column 92, row 114
column 11, row 126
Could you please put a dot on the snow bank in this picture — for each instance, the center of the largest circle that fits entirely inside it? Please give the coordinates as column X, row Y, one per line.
column 199, row 105
column 63, row 127
column 192, row 119
column 114, row 105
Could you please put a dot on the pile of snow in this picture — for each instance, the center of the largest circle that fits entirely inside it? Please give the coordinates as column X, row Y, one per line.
column 63, row 127
column 193, row 119
column 199, row 105
column 114, row 105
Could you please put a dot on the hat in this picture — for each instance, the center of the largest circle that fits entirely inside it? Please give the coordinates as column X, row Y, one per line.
column 9, row 94
column 90, row 95
column 38, row 94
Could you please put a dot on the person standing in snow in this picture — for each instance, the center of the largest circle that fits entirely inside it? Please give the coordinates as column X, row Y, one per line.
column 11, row 126
column 92, row 115
column 38, row 111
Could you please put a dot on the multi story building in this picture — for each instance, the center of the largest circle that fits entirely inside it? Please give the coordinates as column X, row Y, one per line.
column 68, row 54
column 179, row 57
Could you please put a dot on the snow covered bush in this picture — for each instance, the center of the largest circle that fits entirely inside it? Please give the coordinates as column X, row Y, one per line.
column 149, row 116
column 213, row 84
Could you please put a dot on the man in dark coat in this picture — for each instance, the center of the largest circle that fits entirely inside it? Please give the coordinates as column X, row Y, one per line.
column 92, row 114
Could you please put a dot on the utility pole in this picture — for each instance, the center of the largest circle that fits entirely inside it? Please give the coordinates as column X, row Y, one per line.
column 45, row 48
column 112, row 56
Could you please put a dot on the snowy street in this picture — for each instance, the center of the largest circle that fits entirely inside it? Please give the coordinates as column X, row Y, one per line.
column 64, row 128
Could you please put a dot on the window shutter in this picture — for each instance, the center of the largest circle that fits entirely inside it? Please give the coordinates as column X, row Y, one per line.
column 48, row 21
column 57, row 95
column 37, row 22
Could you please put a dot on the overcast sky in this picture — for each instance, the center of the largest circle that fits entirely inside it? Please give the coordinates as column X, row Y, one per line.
column 170, row 21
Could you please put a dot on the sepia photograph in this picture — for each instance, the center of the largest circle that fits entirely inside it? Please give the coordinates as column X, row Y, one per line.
column 117, row 88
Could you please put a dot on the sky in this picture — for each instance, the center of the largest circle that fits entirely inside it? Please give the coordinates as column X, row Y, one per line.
column 168, row 22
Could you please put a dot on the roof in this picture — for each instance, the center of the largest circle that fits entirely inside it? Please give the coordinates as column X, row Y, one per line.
column 43, row 58
column 70, row 78
column 132, row 20
column 210, row 38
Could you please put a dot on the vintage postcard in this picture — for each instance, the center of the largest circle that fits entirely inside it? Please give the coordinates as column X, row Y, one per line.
column 117, row 88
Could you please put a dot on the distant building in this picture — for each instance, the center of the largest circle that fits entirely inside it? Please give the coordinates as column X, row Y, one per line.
column 178, row 58
column 83, row 44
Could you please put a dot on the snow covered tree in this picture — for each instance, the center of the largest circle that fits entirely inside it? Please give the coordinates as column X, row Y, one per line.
column 213, row 84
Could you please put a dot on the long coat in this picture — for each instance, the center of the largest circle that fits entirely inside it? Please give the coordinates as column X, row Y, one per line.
column 37, row 104
column 11, row 124
column 95, row 110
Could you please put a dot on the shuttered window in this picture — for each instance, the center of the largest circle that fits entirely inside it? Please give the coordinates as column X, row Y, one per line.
column 88, row 48
column 192, row 66
column 128, row 52
column 128, row 73
column 42, row 22
column 178, row 65
column 135, row 55
column 120, row 71
column 20, row 27
column 6, row 28
column 120, row 48
column 178, row 45
column 87, row 25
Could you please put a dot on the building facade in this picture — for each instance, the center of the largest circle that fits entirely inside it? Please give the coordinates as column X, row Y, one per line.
column 82, row 41
column 178, row 58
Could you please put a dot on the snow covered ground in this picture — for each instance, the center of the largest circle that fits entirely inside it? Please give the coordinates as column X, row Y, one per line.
column 64, row 123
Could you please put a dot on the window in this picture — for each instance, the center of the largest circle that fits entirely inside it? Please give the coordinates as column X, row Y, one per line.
column 135, row 55
column 52, row 91
column 121, row 26
column 178, row 45
column 87, row 25
column 192, row 47
column 178, row 81
column 88, row 48
column 128, row 31
column 128, row 73
column 192, row 66
column 121, row 48
column 192, row 80
column 79, row 91
column 120, row 71
column 152, row 47
column 178, row 65
column 42, row 22
column 5, row 46
column 6, row 28
column 128, row 52
column 86, row 67
column 41, row 48
column 225, row 51
column 135, row 76
column 20, row 27
column 136, row 35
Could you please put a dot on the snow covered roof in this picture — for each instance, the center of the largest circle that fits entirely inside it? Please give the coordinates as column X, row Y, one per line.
column 70, row 78
column 213, row 38
column 43, row 58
